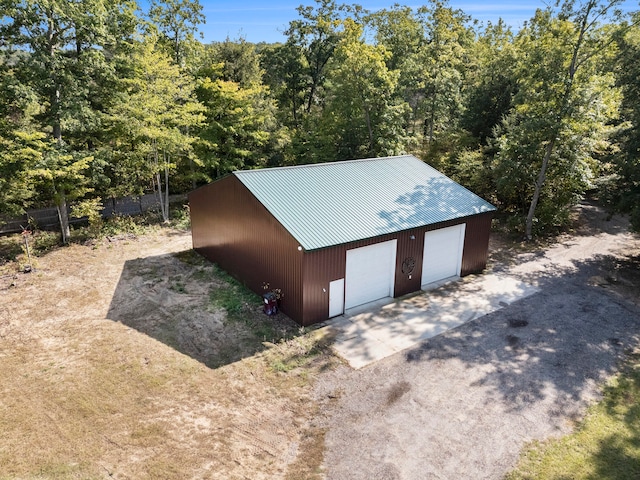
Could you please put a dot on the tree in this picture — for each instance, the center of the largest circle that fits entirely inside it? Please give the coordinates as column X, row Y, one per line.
column 316, row 34
column 177, row 21
column 402, row 33
column 153, row 115
column 19, row 152
column 239, row 59
column 430, row 48
column 285, row 69
column 239, row 123
column 560, row 112
column 362, row 117
column 622, row 190
column 491, row 81
column 444, row 64
column 64, row 45
column 19, row 145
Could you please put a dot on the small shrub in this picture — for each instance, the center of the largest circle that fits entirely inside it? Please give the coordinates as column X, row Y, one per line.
column 43, row 242
column 121, row 225
column 92, row 209
column 179, row 217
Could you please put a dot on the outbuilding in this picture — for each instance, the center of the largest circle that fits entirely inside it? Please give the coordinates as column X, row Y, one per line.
column 329, row 237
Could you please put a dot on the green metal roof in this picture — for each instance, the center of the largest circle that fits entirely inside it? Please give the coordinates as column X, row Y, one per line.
column 333, row 203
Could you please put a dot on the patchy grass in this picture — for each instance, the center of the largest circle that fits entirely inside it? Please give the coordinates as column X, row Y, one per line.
column 239, row 302
column 606, row 444
column 295, row 354
column 12, row 247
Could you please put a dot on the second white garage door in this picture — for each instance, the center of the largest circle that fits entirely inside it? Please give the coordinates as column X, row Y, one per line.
column 442, row 257
column 370, row 273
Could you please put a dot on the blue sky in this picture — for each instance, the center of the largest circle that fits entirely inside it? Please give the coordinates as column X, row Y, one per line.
column 266, row 20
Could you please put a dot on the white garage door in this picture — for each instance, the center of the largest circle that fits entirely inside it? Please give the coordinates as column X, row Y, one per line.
column 370, row 273
column 442, row 256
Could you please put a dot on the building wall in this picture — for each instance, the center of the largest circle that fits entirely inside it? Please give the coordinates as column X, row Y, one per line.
column 232, row 229
column 323, row 266
column 476, row 243
column 326, row 265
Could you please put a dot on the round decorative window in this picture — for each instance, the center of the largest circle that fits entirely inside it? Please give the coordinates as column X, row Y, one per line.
column 408, row 265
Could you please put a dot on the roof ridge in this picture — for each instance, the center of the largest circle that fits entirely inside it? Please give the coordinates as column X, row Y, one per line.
column 324, row 164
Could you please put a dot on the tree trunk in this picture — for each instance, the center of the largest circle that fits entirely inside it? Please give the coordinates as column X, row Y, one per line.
column 585, row 24
column 368, row 120
column 165, row 212
column 536, row 193
column 432, row 118
column 63, row 216
column 157, row 179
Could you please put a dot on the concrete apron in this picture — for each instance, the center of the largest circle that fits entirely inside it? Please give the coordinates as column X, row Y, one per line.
column 380, row 329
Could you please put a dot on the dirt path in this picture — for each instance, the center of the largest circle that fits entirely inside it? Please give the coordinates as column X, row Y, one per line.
column 462, row 405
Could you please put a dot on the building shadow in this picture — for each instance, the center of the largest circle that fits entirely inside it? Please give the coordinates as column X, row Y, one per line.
column 189, row 304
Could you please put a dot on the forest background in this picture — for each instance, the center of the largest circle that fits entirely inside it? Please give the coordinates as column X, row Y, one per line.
column 100, row 99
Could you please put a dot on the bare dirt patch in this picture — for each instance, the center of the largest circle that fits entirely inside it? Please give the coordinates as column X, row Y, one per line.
column 116, row 362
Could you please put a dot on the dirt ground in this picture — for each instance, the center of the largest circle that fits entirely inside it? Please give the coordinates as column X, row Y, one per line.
column 115, row 363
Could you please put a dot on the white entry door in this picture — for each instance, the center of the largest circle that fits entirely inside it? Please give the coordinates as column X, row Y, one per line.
column 370, row 273
column 336, row 298
column 442, row 257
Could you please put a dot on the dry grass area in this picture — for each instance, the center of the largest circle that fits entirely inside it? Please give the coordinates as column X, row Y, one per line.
column 117, row 360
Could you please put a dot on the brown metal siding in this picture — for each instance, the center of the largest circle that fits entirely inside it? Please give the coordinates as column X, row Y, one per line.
column 476, row 244
column 231, row 228
column 324, row 266
column 476, row 241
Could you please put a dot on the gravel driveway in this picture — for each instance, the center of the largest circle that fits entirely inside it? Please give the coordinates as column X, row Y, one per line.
column 463, row 404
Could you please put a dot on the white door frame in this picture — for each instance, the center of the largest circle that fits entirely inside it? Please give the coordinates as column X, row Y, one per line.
column 336, row 298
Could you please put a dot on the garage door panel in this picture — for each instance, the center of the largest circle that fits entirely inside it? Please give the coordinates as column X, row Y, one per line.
column 370, row 273
column 442, row 257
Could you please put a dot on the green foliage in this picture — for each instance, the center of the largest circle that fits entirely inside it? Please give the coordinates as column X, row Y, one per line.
column 548, row 144
column 153, row 116
column 92, row 209
column 444, row 65
column 59, row 56
column 361, row 118
column 177, row 21
column 19, row 153
column 316, row 36
column 239, row 123
column 472, row 170
column 621, row 188
column 118, row 225
column 180, row 218
column 492, row 81
column 285, row 75
column 99, row 102
column 239, row 61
